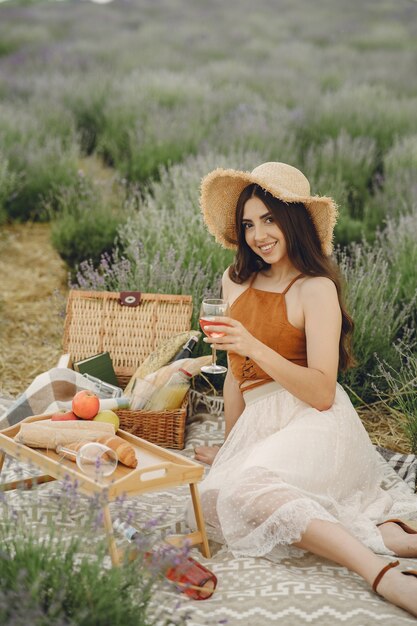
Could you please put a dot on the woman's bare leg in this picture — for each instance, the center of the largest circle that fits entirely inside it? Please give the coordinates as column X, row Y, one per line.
column 206, row 454
column 332, row 541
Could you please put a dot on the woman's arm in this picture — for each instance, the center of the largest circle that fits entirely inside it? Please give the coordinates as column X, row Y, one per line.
column 316, row 383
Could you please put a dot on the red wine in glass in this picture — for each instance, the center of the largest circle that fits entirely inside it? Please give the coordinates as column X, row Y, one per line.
column 208, row 321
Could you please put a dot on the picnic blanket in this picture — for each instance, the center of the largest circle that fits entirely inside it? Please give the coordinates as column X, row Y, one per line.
column 253, row 591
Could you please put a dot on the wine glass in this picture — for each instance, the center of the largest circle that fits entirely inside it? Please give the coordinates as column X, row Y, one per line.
column 210, row 308
column 94, row 459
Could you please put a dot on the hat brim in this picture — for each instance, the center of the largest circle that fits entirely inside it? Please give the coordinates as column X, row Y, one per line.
column 220, row 191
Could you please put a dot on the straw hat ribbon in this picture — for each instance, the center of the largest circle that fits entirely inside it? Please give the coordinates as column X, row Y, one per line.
column 221, row 189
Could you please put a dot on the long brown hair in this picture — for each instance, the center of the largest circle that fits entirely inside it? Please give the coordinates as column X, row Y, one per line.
column 303, row 249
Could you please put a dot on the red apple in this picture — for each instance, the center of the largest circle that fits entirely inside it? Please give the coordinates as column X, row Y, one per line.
column 63, row 416
column 86, row 404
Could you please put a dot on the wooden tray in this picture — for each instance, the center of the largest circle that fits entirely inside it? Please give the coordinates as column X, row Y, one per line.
column 157, row 468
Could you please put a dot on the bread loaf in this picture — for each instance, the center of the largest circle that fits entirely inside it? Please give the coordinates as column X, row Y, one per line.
column 125, row 452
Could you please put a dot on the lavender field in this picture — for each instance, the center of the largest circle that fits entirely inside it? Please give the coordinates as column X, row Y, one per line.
column 156, row 93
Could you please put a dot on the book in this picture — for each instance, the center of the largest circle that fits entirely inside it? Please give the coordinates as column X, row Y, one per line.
column 100, row 366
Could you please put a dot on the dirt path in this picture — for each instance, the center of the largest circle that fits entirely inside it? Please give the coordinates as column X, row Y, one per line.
column 32, row 300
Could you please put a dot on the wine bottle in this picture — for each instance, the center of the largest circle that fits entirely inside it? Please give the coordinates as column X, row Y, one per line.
column 193, row 579
column 129, row 532
column 186, row 350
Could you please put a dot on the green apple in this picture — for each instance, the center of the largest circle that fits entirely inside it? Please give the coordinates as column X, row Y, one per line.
column 108, row 416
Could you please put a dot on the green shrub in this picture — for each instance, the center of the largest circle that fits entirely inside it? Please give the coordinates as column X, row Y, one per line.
column 22, row 129
column 87, row 102
column 41, row 150
column 362, row 111
column 16, row 36
column 249, row 123
column 396, row 190
column 399, row 244
column 152, row 120
column 382, row 37
column 343, row 168
column 8, row 44
column 8, row 186
column 85, row 226
column 372, row 300
column 47, row 171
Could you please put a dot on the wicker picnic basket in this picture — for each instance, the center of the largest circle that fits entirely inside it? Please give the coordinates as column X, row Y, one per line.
column 96, row 321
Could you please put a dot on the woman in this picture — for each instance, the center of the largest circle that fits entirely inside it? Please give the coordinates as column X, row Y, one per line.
column 297, row 469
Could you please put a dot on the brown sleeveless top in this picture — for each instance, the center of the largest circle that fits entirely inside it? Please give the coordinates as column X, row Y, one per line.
column 264, row 315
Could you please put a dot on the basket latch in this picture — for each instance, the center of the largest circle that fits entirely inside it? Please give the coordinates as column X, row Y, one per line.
column 130, row 298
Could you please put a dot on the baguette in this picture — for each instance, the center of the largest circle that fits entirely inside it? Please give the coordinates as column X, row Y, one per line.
column 36, row 436
column 125, row 452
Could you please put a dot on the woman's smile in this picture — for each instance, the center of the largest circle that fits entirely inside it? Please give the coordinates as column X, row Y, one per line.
column 266, row 248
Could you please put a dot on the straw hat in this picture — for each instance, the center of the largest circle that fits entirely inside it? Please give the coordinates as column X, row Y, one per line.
column 221, row 189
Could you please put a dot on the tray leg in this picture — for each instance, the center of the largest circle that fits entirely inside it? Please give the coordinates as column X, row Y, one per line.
column 198, row 512
column 2, row 457
column 108, row 525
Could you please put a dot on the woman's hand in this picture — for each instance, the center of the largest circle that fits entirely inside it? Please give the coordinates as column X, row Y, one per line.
column 229, row 334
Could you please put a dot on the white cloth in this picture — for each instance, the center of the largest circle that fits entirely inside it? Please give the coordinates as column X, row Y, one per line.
column 285, row 463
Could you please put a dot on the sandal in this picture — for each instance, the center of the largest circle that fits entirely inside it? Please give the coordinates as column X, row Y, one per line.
column 385, row 570
column 403, row 525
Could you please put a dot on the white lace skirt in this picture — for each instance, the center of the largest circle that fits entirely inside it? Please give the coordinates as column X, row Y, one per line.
column 285, row 464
